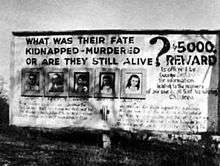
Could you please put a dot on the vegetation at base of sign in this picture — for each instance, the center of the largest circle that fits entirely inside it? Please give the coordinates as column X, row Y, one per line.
column 4, row 107
column 29, row 146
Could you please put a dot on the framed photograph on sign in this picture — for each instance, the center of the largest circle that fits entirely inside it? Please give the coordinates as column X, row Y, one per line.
column 32, row 82
column 80, row 82
column 107, row 84
column 133, row 83
column 56, row 82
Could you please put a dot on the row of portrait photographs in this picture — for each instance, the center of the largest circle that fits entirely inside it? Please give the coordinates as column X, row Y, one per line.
column 106, row 83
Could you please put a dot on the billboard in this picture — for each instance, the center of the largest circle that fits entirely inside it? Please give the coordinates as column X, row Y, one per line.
column 129, row 80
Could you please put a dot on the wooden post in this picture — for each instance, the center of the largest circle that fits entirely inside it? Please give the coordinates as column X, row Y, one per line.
column 106, row 141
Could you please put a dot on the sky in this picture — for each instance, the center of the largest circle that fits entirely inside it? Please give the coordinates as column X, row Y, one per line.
column 61, row 15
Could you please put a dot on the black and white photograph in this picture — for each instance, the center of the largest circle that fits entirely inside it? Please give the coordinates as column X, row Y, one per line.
column 133, row 83
column 106, row 83
column 109, row 83
column 56, row 82
column 81, row 82
column 32, row 82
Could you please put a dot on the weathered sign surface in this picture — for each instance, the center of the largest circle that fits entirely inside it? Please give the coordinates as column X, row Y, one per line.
column 132, row 80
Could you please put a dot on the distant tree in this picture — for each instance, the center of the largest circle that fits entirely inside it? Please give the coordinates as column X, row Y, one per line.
column 4, row 107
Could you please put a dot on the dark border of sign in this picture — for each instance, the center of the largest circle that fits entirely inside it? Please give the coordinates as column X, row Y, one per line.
column 115, row 31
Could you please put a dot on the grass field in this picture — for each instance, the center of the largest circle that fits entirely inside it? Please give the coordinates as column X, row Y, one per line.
column 25, row 146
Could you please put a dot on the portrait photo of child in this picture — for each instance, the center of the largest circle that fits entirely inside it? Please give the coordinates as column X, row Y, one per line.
column 32, row 82
column 80, row 82
column 107, row 83
column 56, row 82
column 133, row 83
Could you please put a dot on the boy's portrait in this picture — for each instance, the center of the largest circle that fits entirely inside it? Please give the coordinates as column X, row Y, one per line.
column 32, row 82
column 56, row 82
column 81, row 82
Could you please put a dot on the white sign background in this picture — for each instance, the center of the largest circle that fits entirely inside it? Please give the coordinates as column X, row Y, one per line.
column 176, row 97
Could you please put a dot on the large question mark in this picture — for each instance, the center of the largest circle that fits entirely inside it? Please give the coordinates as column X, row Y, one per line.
column 165, row 49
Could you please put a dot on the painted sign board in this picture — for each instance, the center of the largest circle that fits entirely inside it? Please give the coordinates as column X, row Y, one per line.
column 106, row 79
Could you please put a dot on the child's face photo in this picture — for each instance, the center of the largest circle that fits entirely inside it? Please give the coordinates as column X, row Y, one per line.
column 56, row 78
column 81, row 84
column 132, row 84
column 107, row 79
column 56, row 82
column 82, row 78
column 31, row 82
column 134, row 81
column 32, row 78
column 106, row 83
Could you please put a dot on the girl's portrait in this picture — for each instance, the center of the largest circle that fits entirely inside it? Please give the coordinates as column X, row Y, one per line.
column 133, row 85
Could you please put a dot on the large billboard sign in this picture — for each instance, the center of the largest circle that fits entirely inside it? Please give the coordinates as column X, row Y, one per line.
column 131, row 80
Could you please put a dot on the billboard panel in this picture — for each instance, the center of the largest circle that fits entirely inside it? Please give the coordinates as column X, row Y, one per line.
column 132, row 80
